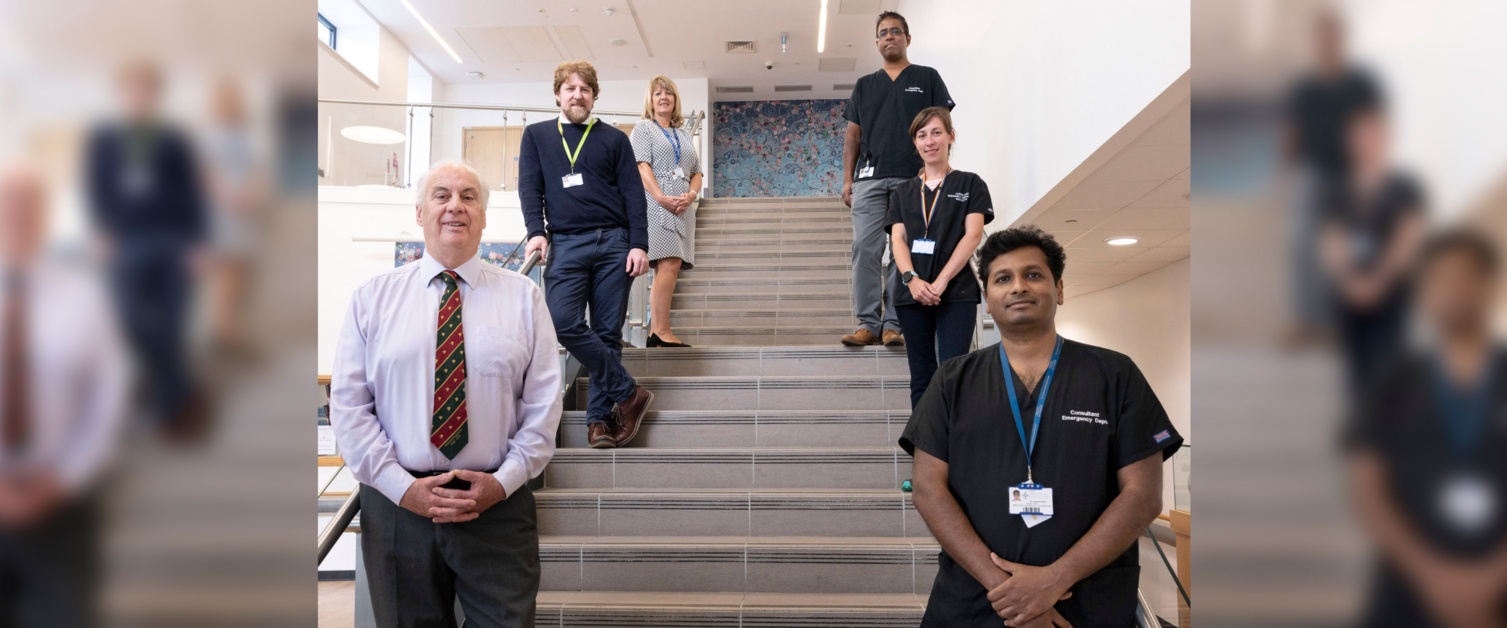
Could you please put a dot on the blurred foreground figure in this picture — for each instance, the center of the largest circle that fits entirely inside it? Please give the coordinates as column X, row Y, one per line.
column 144, row 191
column 1426, row 449
column 62, row 392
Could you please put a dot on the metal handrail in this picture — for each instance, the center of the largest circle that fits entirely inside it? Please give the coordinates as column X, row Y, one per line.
column 444, row 105
column 348, row 510
column 1144, row 616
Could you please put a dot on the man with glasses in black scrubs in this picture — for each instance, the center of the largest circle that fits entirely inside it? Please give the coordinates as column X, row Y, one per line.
column 1074, row 429
column 877, row 156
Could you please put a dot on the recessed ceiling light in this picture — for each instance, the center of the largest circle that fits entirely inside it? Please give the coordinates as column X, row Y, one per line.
column 475, row 75
column 432, row 33
column 618, row 42
column 1122, row 241
column 372, row 135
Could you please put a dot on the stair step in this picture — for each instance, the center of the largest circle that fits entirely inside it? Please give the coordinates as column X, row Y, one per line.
column 761, row 513
column 824, row 254
column 773, row 392
column 660, row 609
column 773, row 231
column 808, row 220
column 771, row 319
column 738, row 564
column 741, row 468
column 771, row 264
column 833, row 359
column 771, row 286
column 776, row 301
column 798, row 237
column 738, row 336
column 829, row 274
column 753, row 428
column 828, row 243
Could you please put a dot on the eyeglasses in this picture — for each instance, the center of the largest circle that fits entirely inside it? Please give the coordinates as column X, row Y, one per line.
column 897, row 31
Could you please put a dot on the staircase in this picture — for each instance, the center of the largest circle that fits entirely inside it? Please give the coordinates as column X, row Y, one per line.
column 763, row 489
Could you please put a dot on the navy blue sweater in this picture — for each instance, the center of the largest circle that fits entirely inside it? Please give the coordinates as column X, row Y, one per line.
column 611, row 194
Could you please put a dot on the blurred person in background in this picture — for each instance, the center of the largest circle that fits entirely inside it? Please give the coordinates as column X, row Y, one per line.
column 1425, row 445
column 62, row 398
column 144, row 190
column 1317, row 111
column 238, row 190
column 1373, row 222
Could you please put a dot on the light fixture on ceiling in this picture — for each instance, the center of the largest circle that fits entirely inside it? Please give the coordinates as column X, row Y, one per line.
column 821, row 30
column 1121, row 241
column 619, row 42
column 475, row 75
column 372, row 135
column 784, row 39
column 432, row 33
column 609, row 11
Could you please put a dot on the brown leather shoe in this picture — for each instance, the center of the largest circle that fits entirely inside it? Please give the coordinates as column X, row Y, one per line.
column 600, row 436
column 630, row 414
column 892, row 338
column 860, row 338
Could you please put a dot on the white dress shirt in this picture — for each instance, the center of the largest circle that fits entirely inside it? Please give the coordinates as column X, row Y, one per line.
column 382, row 388
column 79, row 376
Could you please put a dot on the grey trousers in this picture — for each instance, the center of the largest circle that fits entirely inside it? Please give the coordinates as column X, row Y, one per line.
column 417, row 569
column 873, row 305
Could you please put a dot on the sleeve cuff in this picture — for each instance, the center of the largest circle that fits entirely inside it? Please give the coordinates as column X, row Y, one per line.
column 393, row 482
column 512, row 476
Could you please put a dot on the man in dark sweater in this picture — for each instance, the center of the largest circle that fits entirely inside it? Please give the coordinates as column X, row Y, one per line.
column 582, row 178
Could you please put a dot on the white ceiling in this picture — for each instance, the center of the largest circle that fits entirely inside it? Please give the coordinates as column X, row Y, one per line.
column 1137, row 184
column 522, row 42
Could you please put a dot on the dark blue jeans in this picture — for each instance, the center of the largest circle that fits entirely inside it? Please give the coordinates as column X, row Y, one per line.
column 590, row 269
column 150, row 281
column 934, row 334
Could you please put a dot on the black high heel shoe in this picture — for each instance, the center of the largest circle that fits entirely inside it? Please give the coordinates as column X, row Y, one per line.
column 655, row 341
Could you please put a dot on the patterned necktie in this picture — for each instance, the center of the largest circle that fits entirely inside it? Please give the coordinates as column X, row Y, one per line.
column 15, row 404
column 448, row 427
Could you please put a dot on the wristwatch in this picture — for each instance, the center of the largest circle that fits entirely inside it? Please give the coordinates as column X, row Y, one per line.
column 909, row 275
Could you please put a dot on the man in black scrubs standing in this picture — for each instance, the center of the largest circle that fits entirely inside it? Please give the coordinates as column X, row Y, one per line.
column 1074, row 428
column 877, row 156
column 1425, row 453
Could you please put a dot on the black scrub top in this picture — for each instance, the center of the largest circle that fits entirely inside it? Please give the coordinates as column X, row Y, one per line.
column 1400, row 421
column 1372, row 223
column 962, row 193
column 1100, row 416
column 1319, row 110
column 883, row 110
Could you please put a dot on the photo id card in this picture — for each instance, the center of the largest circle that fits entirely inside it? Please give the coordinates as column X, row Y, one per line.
column 922, row 246
column 572, row 180
column 1033, row 502
column 679, row 173
column 864, row 173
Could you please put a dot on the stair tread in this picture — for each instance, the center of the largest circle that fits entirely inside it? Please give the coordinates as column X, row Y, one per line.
column 674, row 600
column 813, row 542
column 818, row 492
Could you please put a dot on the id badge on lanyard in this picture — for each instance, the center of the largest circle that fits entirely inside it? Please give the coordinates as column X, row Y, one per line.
column 573, row 179
column 1032, row 501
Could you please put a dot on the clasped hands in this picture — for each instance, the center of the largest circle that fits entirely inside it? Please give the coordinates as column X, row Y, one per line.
column 427, row 498
column 677, row 204
column 1028, row 597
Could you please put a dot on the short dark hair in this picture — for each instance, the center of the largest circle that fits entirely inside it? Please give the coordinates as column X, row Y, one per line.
column 1461, row 240
column 1019, row 237
column 887, row 15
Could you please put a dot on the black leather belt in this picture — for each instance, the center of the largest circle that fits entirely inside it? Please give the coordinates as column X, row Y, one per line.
column 455, row 483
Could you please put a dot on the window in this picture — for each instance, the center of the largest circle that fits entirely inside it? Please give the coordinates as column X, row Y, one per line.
column 326, row 31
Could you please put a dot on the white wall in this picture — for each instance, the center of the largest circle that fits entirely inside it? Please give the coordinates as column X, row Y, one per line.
column 1148, row 319
column 626, row 96
column 345, row 264
column 348, row 162
column 1040, row 85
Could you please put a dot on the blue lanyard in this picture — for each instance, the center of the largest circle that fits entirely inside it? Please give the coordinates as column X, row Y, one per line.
column 674, row 138
column 1041, row 400
column 1465, row 413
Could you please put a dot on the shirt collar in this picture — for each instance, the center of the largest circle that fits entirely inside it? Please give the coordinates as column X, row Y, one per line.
column 469, row 272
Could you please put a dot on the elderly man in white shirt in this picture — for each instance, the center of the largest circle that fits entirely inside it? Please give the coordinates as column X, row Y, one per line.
column 63, row 382
column 445, row 399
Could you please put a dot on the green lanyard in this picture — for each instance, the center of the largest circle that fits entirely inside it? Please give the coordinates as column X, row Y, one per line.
column 569, row 155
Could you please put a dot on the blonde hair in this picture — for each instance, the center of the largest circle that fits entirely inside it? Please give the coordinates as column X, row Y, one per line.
column 676, row 119
column 585, row 70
